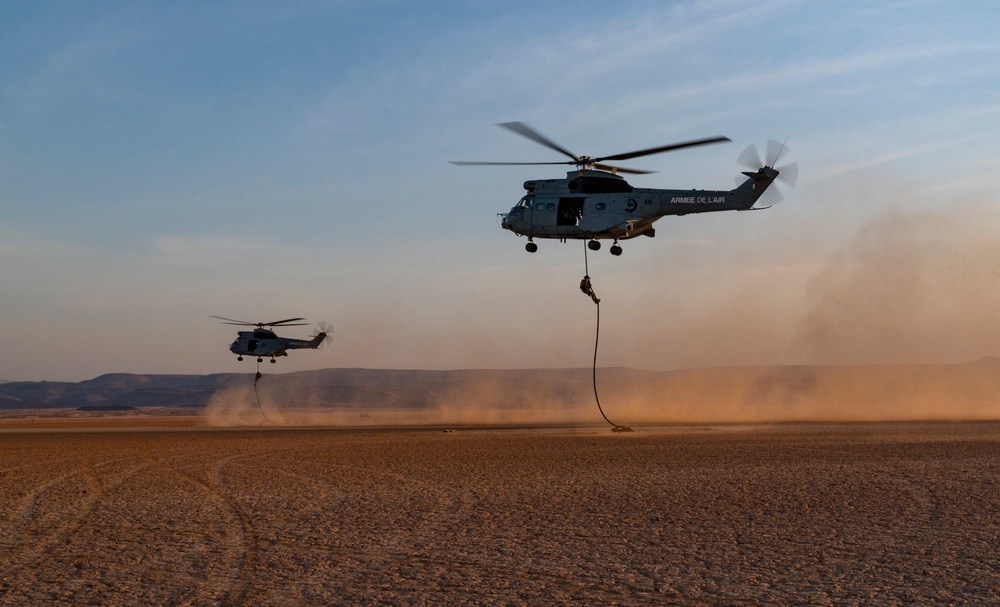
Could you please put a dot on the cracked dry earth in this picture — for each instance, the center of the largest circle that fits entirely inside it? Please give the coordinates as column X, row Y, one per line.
column 892, row 514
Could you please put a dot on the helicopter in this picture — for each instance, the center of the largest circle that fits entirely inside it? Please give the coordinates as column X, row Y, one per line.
column 594, row 202
column 263, row 342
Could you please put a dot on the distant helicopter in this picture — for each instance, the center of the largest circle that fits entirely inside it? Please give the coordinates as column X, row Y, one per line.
column 263, row 342
column 593, row 202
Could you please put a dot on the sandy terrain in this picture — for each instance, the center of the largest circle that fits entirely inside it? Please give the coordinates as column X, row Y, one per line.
column 893, row 514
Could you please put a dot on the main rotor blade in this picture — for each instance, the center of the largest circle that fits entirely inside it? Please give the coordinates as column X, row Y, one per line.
column 524, row 130
column 477, row 163
column 664, row 148
column 233, row 321
column 614, row 169
column 603, row 167
column 285, row 322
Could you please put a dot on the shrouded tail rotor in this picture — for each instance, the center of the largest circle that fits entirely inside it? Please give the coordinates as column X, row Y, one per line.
column 787, row 174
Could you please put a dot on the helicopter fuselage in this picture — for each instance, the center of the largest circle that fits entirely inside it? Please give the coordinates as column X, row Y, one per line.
column 263, row 342
column 591, row 204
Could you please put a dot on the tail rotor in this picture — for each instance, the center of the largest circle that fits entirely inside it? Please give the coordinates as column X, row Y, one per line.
column 325, row 330
column 787, row 174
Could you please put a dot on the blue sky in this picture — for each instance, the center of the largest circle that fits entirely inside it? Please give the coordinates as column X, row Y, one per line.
column 161, row 162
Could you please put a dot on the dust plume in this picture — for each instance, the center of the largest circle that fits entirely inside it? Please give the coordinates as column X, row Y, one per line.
column 235, row 406
column 293, row 400
column 376, row 397
column 912, row 287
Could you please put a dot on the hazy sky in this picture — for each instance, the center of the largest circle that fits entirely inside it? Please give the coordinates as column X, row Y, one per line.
column 164, row 161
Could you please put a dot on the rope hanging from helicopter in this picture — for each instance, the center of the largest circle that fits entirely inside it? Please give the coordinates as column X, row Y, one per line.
column 588, row 289
column 255, row 380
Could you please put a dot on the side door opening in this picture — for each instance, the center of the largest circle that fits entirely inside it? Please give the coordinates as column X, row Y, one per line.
column 570, row 211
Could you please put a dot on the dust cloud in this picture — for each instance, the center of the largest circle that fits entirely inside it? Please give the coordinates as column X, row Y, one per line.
column 912, row 287
column 296, row 403
column 357, row 397
column 360, row 397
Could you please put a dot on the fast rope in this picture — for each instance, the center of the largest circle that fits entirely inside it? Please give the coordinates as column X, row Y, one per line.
column 588, row 290
column 255, row 380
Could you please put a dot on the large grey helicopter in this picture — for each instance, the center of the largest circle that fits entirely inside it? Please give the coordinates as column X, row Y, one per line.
column 594, row 202
column 263, row 342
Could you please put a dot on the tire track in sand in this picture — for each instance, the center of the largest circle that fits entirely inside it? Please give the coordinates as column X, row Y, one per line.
column 36, row 530
column 232, row 583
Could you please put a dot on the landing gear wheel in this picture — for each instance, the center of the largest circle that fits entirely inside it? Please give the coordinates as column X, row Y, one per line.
column 273, row 361
column 616, row 250
column 239, row 358
column 531, row 247
column 260, row 360
column 594, row 245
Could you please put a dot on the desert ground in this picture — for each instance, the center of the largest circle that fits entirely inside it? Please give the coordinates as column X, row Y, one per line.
column 797, row 514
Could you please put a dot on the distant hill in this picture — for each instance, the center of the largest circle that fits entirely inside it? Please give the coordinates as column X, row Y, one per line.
column 723, row 394
column 117, row 389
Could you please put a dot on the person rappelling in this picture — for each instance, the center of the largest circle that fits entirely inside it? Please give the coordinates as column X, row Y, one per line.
column 588, row 289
